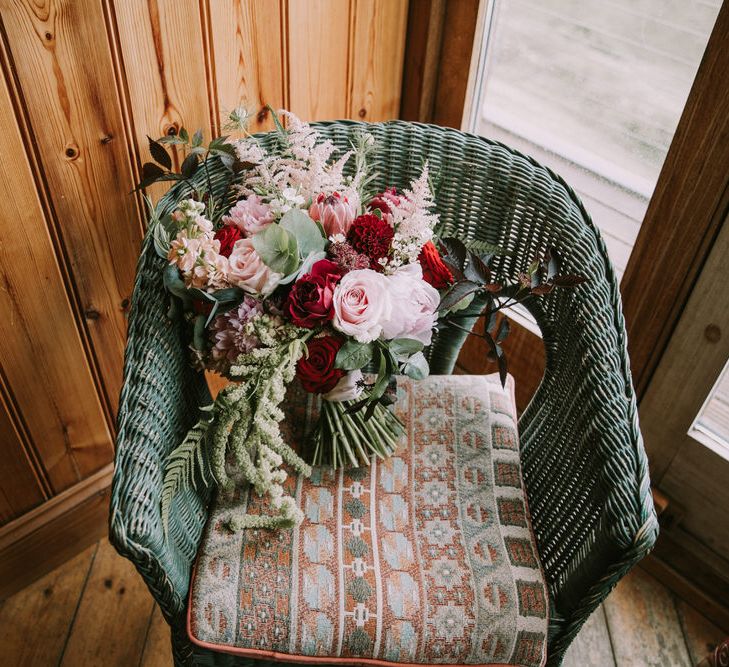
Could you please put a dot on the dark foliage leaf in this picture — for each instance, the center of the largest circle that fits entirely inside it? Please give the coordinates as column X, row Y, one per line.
column 455, row 250
column 458, row 292
column 184, row 135
column 454, row 269
column 502, row 330
column 159, row 154
column 477, row 270
column 544, row 288
column 151, row 170
column 189, row 166
column 553, row 263
column 569, row 280
column 197, row 138
column 494, row 288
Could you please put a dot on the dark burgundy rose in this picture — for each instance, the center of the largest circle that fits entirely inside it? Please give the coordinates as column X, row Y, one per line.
column 310, row 300
column 227, row 236
column 316, row 371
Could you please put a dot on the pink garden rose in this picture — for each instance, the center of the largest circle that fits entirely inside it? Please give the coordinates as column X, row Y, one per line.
column 361, row 304
column 248, row 271
column 335, row 213
column 414, row 305
column 250, row 215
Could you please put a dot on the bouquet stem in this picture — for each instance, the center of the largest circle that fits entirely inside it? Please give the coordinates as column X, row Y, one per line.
column 348, row 439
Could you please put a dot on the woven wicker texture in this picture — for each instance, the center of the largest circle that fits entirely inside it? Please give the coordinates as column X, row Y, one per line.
column 583, row 459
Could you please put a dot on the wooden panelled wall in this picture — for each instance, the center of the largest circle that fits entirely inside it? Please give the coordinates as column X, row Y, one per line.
column 83, row 82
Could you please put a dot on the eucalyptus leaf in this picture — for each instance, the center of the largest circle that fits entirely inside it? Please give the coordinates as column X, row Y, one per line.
column 305, row 230
column 278, row 249
column 416, row 367
column 305, row 266
column 404, row 347
column 353, row 355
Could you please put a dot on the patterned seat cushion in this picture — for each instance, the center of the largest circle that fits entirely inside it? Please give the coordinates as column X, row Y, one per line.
column 425, row 558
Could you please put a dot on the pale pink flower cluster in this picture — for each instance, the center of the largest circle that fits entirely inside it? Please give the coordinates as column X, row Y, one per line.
column 413, row 220
column 250, row 215
column 300, row 172
column 197, row 253
column 369, row 305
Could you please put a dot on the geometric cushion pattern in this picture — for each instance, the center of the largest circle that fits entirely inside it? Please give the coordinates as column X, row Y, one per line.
column 424, row 558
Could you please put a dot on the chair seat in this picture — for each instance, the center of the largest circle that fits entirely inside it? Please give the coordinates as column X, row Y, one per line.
column 424, row 558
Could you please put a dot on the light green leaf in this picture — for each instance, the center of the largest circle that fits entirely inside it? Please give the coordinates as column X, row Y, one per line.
column 353, row 355
column 278, row 249
column 416, row 367
column 404, row 347
column 305, row 231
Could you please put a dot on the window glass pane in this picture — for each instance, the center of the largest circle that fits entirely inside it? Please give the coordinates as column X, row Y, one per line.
column 711, row 427
column 594, row 89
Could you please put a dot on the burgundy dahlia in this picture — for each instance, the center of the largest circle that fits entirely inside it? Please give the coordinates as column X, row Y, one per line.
column 371, row 236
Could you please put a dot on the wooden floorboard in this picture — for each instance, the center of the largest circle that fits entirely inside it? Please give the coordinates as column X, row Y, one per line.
column 643, row 621
column 112, row 620
column 34, row 623
column 95, row 610
column 592, row 648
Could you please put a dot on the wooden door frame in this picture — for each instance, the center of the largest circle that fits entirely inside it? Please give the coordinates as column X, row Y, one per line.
column 685, row 214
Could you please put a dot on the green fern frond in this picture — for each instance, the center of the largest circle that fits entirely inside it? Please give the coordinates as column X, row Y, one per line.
column 184, row 464
column 483, row 248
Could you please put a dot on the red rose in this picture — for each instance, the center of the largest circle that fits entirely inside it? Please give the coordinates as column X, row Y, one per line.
column 310, row 299
column 316, row 371
column 435, row 271
column 227, row 236
column 372, row 237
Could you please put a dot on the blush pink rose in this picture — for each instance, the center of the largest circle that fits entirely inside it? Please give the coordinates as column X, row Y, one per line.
column 335, row 213
column 414, row 305
column 361, row 304
column 248, row 271
column 250, row 215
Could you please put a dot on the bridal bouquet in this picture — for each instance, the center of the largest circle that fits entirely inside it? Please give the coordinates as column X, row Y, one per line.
column 293, row 269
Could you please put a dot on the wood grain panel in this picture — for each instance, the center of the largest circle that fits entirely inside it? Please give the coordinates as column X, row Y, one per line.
column 20, row 489
column 50, row 534
column 60, row 53
column 161, row 45
column 377, row 62
column 42, row 355
column 318, row 58
column 248, row 57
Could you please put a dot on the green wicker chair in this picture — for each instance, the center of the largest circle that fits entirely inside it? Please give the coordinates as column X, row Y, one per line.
column 583, row 458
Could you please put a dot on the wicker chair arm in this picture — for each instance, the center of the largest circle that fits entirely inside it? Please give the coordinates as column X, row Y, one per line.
column 158, row 405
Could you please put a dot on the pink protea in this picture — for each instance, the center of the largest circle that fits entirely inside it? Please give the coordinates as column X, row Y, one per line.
column 230, row 334
column 335, row 213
